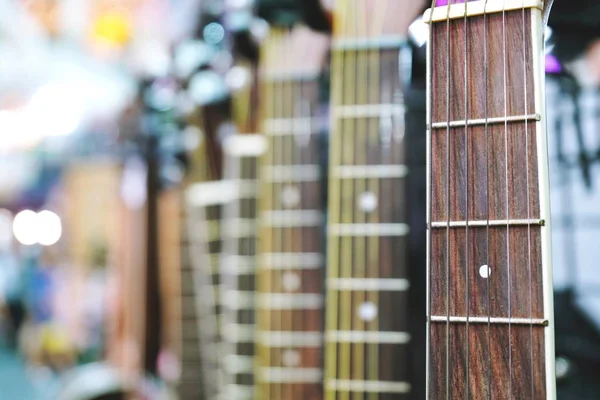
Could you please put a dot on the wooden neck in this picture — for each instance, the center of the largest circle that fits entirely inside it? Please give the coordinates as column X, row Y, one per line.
column 291, row 256
column 238, row 263
column 490, row 277
column 366, row 326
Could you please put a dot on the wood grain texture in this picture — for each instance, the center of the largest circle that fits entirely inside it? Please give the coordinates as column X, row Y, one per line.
column 481, row 68
column 376, row 142
column 293, row 102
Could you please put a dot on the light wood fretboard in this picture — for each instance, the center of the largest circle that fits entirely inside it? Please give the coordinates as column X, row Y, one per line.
column 367, row 339
column 290, row 287
column 490, row 277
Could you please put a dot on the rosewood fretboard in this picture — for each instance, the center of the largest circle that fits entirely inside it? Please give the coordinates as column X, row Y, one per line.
column 367, row 322
column 490, row 278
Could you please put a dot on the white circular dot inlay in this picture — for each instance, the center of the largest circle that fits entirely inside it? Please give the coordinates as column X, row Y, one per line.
column 290, row 281
column 367, row 311
column 485, row 271
column 290, row 196
column 290, row 358
column 367, row 202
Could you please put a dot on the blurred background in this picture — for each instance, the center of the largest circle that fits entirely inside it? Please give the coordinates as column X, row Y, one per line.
column 100, row 136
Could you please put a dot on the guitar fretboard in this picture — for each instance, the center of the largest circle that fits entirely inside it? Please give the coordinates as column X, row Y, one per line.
column 489, row 263
column 201, row 286
column 238, row 264
column 290, row 286
column 367, row 337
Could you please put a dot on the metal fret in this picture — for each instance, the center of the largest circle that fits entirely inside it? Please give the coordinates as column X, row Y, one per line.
column 491, row 320
column 238, row 300
column 290, row 126
column 370, row 171
column 368, row 386
column 245, row 145
column 292, row 218
column 239, row 228
column 376, row 337
column 368, row 284
column 368, row 229
column 290, row 339
column 292, row 173
column 237, row 391
column 292, row 260
column 210, row 193
column 485, row 121
column 287, row 301
column 290, row 375
column 238, row 265
column 238, row 333
column 369, row 43
column 455, row 11
column 289, row 76
column 501, row 222
column 369, row 110
column 237, row 364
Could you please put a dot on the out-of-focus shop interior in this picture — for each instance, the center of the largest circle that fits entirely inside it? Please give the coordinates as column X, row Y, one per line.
column 167, row 167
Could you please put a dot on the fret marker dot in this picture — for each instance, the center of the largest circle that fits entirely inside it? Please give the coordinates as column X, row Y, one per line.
column 367, row 202
column 367, row 311
column 290, row 196
column 485, row 271
column 290, row 358
column 290, row 281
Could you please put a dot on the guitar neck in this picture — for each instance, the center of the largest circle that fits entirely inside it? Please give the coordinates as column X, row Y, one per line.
column 490, row 278
column 291, row 260
column 367, row 335
column 200, row 285
column 238, row 231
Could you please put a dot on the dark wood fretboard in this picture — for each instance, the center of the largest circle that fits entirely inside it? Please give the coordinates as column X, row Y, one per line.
column 490, row 277
column 367, row 335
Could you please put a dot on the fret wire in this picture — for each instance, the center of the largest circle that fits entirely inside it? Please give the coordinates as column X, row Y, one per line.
column 291, row 375
column 484, row 121
column 288, row 126
column 370, row 171
column 290, row 339
column 292, row 218
column 491, row 320
column 358, row 111
column 371, row 337
column 368, row 284
column 381, row 229
column 346, row 386
column 487, row 223
column 291, row 173
column 292, row 260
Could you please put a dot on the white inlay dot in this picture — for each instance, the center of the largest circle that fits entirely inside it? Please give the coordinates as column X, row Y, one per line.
column 290, row 281
column 367, row 311
column 485, row 271
column 290, row 196
column 367, row 202
column 291, row 358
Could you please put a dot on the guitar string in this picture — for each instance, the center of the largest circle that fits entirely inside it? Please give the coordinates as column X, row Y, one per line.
column 288, row 158
column 507, row 197
column 467, row 203
column 347, row 206
column 447, row 194
column 487, row 199
column 526, row 106
column 334, row 209
column 429, row 193
column 374, row 81
column 360, row 186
